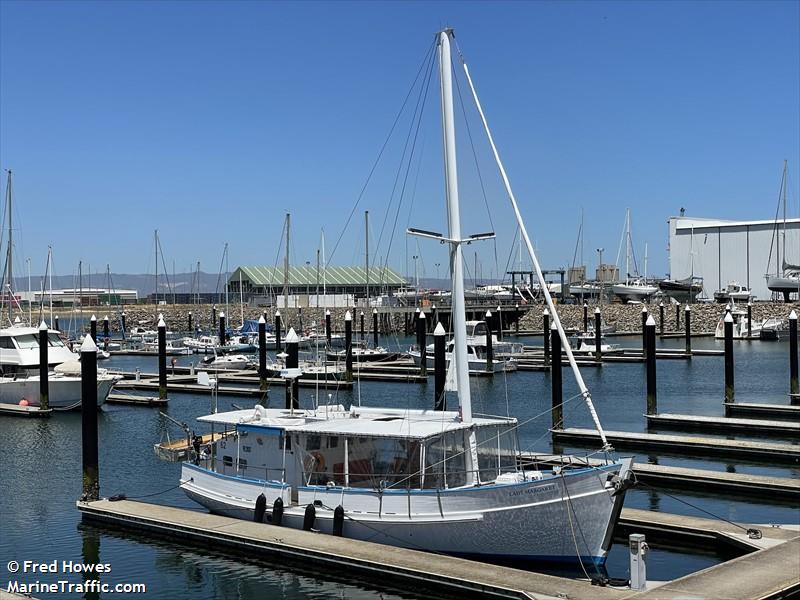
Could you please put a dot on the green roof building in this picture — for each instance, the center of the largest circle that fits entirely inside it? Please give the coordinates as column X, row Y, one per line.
column 308, row 280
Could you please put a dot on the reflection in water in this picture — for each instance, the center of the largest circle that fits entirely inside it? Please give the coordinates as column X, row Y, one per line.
column 91, row 556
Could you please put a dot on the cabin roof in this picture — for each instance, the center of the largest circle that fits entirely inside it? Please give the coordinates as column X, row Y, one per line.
column 358, row 421
column 309, row 275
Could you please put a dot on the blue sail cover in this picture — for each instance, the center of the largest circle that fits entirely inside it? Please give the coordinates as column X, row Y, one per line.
column 251, row 326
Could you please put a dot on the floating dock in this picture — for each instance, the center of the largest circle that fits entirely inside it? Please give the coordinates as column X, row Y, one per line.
column 15, row 410
column 135, row 400
column 769, row 570
column 783, row 429
column 680, row 444
column 774, row 411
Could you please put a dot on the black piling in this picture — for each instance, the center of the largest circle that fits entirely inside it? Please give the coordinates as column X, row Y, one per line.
column 122, row 324
column 292, row 362
column 439, row 368
column 645, row 315
column 661, row 318
column 361, row 332
column 55, row 323
column 222, row 328
column 555, row 377
column 729, row 391
column 750, row 319
column 650, row 365
column 89, row 454
column 546, row 335
column 262, row 353
column 106, row 332
column 499, row 323
column 678, row 317
column 516, row 319
column 598, row 335
column 793, row 383
column 422, row 338
column 687, row 325
column 191, row 325
column 278, row 343
column 348, row 346
column 93, row 328
column 162, row 358
column 585, row 317
column 213, row 317
column 434, row 318
column 489, row 349
column 375, row 327
column 328, row 327
column 44, row 384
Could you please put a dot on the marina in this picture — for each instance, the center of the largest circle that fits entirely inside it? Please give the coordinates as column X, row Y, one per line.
column 312, row 319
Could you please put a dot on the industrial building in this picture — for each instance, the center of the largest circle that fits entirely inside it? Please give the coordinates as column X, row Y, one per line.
column 262, row 285
column 78, row 297
column 723, row 251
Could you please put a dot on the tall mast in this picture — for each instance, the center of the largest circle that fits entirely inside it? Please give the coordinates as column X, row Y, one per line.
column 155, row 243
column 50, row 278
column 627, row 245
column 366, row 246
column 9, row 262
column 225, row 256
column 286, row 266
column 784, row 218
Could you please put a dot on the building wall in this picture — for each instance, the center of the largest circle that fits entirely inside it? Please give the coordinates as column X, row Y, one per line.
column 726, row 251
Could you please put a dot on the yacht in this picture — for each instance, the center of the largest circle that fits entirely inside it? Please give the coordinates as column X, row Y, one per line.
column 586, row 343
column 761, row 328
column 438, row 480
column 733, row 292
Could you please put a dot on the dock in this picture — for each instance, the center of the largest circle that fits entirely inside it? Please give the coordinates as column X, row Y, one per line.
column 774, row 411
column 135, row 399
column 766, row 488
column 767, row 569
column 680, row 444
column 15, row 410
column 760, row 427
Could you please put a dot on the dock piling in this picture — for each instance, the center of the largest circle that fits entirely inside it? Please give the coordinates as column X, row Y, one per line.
column 729, row 392
column 499, row 323
column 328, row 327
column 213, row 317
column 44, row 384
column 262, row 352
column 361, row 327
column 162, row 358
column 91, row 471
column 489, row 349
column 516, row 318
column 645, row 315
column 678, row 317
column 661, row 317
column 122, row 324
column 598, row 335
column 93, row 328
column 190, row 325
column 55, row 324
column 348, row 346
column 650, row 362
column 546, row 336
column 439, row 368
column 375, row 327
column 585, row 317
column 222, row 328
column 794, row 388
column 421, row 342
column 687, row 324
column 749, row 318
column 278, row 343
column 292, row 362
column 105, row 327
column 556, row 384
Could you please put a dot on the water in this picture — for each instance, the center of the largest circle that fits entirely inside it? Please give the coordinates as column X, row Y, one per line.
column 40, row 472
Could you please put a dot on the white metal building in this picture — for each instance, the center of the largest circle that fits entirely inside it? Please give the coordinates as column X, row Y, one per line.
column 725, row 251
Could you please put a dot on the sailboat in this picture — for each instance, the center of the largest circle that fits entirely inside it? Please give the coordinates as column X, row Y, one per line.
column 686, row 289
column 786, row 278
column 438, row 480
column 634, row 288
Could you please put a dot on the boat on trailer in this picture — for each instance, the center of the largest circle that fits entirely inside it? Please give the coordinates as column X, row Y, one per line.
column 438, row 480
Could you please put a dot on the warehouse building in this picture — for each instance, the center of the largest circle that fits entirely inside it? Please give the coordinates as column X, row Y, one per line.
column 722, row 251
column 263, row 285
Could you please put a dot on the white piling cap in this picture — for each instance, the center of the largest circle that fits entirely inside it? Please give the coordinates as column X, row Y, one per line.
column 434, row 307
column 17, row 320
column 190, row 312
column 262, row 320
column 545, row 311
column 439, row 330
column 291, row 337
column 417, row 309
column 498, row 308
column 362, row 313
column 277, row 313
column 221, row 314
column 728, row 318
column 123, row 313
column 374, row 311
column 597, row 310
column 421, row 314
column 661, row 304
column 160, row 316
column 488, row 314
column 88, row 344
column 585, row 304
column 792, row 315
column 750, row 302
column 93, row 318
column 651, row 322
column 348, row 316
column 644, row 308
column 105, row 318
column 688, row 308
column 43, row 326
column 728, row 307
column 161, row 322
column 553, row 326
column 327, row 312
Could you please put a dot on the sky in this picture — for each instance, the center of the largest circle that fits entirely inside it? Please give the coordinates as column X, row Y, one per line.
column 210, row 120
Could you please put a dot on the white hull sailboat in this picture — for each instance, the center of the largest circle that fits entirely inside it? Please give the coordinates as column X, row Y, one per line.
column 436, row 480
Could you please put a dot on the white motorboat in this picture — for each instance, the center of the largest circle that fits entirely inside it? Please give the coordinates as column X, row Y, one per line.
column 203, row 344
column 634, row 290
column 586, row 343
column 173, row 347
column 476, row 359
column 362, row 353
column 476, row 338
column 761, row 328
column 733, row 292
column 234, row 362
column 437, row 480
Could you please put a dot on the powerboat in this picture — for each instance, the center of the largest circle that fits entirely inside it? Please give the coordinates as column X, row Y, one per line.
column 634, row 290
column 733, row 292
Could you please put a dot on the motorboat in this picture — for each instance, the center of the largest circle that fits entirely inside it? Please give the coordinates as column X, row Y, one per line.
column 733, row 292
column 586, row 343
column 761, row 328
column 437, row 480
column 362, row 353
column 234, row 362
column 634, row 290
column 476, row 338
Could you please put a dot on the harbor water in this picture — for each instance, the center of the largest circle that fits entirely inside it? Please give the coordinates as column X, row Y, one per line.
column 40, row 471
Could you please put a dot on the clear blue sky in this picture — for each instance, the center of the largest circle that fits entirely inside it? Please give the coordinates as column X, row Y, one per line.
column 208, row 120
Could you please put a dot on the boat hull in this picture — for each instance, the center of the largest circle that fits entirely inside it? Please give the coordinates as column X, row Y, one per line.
column 626, row 293
column 64, row 392
column 530, row 520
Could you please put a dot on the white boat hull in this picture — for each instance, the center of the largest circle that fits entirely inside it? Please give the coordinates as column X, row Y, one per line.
column 64, row 391
column 633, row 292
column 521, row 521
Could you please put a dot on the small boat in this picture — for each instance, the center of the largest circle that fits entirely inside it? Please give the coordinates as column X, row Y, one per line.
column 362, row 353
column 202, row 344
column 634, row 290
column 476, row 337
column 683, row 290
column 476, row 359
column 233, row 362
column 585, row 343
column 733, row 292
column 173, row 348
column 766, row 329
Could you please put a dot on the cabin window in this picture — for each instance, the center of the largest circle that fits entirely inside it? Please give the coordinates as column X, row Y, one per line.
column 445, row 461
column 380, row 463
column 312, row 442
column 27, row 342
column 496, row 451
column 54, row 341
column 480, row 328
column 243, row 464
column 5, row 342
column 227, row 461
column 333, row 442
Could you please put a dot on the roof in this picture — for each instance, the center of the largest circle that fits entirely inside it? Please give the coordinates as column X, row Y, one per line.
column 307, row 275
column 686, row 223
column 358, row 421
